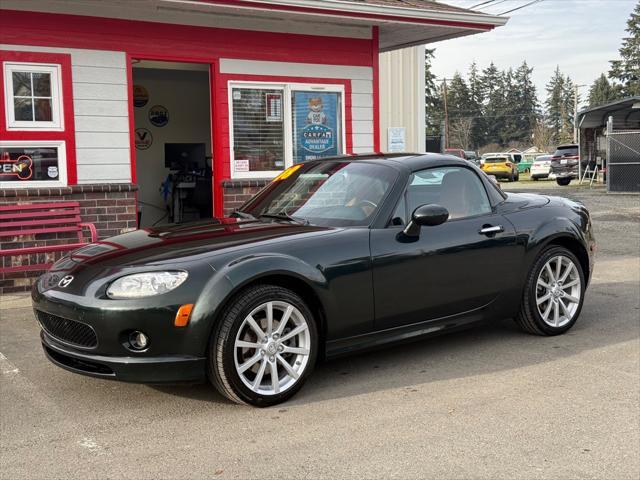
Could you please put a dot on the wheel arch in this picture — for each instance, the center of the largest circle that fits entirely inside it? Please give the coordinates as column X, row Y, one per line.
column 575, row 247
column 285, row 272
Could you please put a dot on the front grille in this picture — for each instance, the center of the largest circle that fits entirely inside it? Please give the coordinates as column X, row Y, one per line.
column 68, row 331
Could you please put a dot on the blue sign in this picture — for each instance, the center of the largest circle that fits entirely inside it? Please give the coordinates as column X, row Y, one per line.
column 316, row 125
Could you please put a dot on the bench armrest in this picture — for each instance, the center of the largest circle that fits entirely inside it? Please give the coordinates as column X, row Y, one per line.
column 92, row 230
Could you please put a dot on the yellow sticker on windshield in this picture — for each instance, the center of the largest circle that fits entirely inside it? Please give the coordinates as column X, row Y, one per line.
column 288, row 172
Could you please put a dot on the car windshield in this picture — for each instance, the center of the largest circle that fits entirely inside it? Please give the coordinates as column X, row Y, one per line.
column 328, row 193
column 566, row 151
column 496, row 160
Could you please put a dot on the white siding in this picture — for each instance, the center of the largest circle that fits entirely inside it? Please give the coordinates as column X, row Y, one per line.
column 101, row 113
column 402, row 96
column 361, row 89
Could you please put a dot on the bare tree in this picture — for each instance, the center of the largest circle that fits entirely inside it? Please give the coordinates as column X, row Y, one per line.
column 542, row 135
column 460, row 133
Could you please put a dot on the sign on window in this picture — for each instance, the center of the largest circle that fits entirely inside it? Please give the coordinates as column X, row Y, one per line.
column 24, row 165
column 316, row 125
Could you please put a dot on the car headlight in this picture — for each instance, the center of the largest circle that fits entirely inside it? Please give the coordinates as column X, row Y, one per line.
column 147, row 284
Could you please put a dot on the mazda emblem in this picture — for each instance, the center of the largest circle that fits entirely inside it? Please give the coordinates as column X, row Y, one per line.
column 65, row 281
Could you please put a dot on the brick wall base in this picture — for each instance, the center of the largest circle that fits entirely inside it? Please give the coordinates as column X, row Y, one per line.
column 110, row 207
column 237, row 192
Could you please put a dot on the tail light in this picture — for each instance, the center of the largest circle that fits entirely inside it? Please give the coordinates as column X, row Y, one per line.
column 508, row 164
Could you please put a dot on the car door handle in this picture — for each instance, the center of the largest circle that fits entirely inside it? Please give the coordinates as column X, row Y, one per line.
column 491, row 230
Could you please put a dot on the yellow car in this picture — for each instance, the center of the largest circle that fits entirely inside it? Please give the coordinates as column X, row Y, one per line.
column 500, row 167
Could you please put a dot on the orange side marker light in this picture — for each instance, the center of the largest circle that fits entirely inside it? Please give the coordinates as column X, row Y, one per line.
column 183, row 315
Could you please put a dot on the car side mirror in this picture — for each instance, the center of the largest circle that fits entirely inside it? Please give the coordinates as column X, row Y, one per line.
column 426, row 216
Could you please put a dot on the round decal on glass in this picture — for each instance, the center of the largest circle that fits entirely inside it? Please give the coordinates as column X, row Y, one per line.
column 140, row 96
column 158, row 116
column 144, row 139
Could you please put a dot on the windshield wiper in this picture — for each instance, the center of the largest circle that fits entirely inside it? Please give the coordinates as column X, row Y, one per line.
column 283, row 216
column 242, row 214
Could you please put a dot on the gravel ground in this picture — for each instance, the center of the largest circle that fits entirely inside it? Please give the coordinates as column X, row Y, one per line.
column 485, row 403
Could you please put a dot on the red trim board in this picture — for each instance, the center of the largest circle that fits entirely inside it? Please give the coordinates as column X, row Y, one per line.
column 178, row 42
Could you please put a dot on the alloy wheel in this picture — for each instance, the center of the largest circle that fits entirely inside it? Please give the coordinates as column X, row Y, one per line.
column 272, row 347
column 558, row 291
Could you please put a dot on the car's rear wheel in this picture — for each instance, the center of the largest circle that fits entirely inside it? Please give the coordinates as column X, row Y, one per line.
column 264, row 347
column 553, row 294
column 563, row 181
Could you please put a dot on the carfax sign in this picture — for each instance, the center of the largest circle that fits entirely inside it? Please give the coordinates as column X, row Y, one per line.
column 316, row 128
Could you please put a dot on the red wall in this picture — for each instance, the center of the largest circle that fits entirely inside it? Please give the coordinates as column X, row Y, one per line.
column 156, row 41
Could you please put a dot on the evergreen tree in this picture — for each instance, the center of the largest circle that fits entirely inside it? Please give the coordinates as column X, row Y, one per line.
column 509, row 109
column 433, row 96
column 458, row 100
column 602, row 91
column 560, row 107
column 627, row 69
column 491, row 86
column 527, row 103
column 475, row 106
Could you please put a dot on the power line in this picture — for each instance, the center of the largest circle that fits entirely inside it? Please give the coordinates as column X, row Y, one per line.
column 482, row 3
column 520, row 7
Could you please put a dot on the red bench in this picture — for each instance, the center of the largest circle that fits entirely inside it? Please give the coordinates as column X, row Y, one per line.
column 41, row 218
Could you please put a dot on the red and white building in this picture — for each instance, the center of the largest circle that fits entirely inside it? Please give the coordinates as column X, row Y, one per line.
column 126, row 106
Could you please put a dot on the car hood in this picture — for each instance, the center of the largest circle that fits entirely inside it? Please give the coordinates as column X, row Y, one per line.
column 186, row 242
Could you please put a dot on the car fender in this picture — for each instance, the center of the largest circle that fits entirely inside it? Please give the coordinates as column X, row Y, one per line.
column 234, row 276
column 553, row 229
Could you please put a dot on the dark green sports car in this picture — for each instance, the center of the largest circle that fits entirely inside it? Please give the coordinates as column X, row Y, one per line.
column 332, row 257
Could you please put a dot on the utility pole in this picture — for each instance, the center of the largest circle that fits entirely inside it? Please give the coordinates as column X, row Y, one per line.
column 446, row 114
column 575, row 112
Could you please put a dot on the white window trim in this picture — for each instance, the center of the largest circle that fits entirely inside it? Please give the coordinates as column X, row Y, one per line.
column 287, row 89
column 62, row 164
column 57, row 122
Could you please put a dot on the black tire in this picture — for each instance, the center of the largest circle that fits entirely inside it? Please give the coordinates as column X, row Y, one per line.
column 517, row 176
column 563, row 182
column 221, row 362
column 535, row 179
column 529, row 318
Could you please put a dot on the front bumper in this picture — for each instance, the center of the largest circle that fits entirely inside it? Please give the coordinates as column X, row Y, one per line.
column 499, row 173
column 88, row 334
column 157, row 369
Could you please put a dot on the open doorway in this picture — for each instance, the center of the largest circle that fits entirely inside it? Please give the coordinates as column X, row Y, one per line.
column 172, row 115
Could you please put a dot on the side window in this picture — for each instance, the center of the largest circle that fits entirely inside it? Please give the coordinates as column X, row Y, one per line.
column 458, row 189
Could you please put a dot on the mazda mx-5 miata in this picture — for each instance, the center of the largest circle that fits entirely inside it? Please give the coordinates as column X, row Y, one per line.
column 333, row 256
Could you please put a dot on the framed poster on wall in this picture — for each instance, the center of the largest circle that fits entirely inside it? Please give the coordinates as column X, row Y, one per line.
column 317, row 124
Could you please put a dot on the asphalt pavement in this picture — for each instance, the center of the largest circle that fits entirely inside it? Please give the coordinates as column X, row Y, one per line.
column 490, row 402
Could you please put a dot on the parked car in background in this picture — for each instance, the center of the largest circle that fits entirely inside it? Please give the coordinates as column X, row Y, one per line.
column 469, row 155
column 500, row 165
column 564, row 163
column 458, row 152
column 541, row 167
column 472, row 156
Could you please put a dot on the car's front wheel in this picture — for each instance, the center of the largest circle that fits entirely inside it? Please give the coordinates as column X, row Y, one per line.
column 553, row 294
column 264, row 346
column 563, row 182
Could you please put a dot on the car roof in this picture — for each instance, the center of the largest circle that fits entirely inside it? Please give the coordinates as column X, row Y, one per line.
column 412, row 161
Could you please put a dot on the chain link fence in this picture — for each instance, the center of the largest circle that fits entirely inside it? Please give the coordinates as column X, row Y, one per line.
column 623, row 161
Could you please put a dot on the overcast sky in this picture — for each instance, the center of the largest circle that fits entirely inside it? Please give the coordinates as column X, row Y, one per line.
column 580, row 36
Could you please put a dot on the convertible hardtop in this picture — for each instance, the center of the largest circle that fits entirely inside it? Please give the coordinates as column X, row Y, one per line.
column 412, row 161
